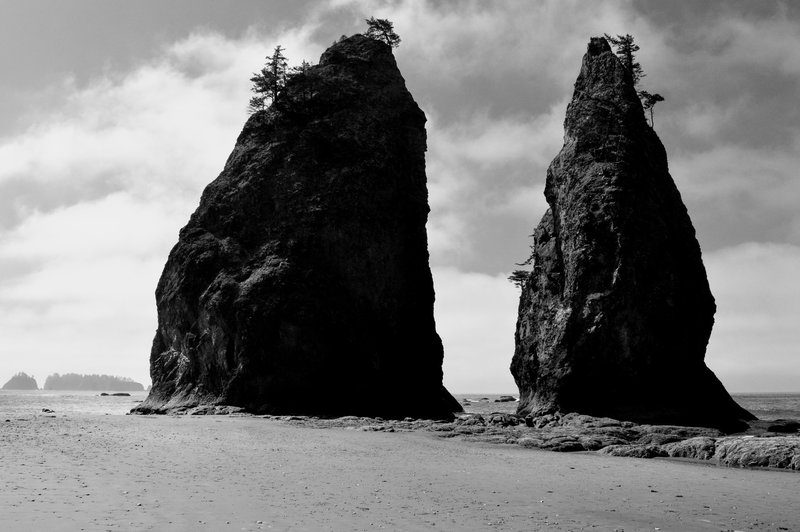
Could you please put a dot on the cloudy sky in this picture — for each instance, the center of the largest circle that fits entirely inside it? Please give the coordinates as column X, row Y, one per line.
column 116, row 114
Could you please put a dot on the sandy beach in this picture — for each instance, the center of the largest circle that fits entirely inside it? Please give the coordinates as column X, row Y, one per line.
column 246, row 473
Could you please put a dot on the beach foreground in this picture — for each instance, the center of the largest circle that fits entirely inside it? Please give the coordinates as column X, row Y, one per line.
column 246, row 473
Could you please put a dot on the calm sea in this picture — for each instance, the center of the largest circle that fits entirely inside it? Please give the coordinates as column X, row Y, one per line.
column 26, row 403
column 762, row 405
column 21, row 403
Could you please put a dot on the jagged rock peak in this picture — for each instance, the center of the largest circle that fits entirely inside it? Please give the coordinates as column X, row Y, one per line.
column 615, row 317
column 301, row 283
column 603, row 78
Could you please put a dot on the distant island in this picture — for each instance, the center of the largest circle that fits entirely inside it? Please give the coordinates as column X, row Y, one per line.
column 21, row 381
column 73, row 381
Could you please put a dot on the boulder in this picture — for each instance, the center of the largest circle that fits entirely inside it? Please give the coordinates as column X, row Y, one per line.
column 615, row 317
column 504, row 420
column 699, row 448
column 750, row 451
column 784, row 426
column 470, row 419
column 301, row 283
column 634, row 451
column 505, row 399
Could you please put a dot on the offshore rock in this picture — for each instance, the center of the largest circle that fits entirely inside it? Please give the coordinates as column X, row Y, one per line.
column 615, row 317
column 21, row 381
column 301, row 284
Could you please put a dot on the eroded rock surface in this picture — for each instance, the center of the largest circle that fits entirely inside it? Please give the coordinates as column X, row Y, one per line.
column 581, row 433
column 749, row 451
column 301, row 284
column 616, row 315
column 757, row 447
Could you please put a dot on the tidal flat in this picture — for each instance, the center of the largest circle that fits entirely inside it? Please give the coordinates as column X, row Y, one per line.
column 95, row 472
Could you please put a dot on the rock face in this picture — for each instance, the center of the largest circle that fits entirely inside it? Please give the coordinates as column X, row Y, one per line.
column 301, row 284
column 21, row 381
column 616, row 315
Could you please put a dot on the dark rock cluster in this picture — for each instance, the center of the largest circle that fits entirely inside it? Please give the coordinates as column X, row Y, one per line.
column 616, row 315
column 301, row 284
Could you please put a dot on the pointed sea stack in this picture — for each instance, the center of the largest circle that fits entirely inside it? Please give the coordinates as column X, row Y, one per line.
column 301, row 284
column 616, row 315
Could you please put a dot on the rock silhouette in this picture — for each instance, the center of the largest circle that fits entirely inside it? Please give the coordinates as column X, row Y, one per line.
column 301, row 284
column 615, row 317
column 75, row 381
column 21, row 381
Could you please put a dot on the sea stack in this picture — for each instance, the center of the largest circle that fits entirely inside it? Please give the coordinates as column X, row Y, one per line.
column 21, row 381
column 301, row 283
column 615, row 317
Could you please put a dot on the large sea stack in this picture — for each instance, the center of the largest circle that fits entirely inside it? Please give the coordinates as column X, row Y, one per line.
column 301, row 284
column 615, row 317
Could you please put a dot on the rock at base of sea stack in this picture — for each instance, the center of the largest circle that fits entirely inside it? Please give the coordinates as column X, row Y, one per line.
column 616, row 315
column 301, row 284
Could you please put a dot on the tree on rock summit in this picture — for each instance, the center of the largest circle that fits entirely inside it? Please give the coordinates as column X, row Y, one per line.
column 382, row 29
column 269, row 81
column 625, row 50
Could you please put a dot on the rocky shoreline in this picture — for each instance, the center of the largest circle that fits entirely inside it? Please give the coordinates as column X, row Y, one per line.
column 765, row 444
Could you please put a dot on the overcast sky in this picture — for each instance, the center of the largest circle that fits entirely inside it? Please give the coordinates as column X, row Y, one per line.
column 116, row 114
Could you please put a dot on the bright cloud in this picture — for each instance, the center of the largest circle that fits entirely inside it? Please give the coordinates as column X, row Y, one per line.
column 476, row 316
column 755, row 344
column 487, row 167
column 96, row 194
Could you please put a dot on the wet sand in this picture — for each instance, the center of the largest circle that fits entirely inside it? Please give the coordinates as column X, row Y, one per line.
column 245, row 473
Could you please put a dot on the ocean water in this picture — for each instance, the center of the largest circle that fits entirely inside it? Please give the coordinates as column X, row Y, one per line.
column 771, row 405
column 66, row 403
column 767, row 406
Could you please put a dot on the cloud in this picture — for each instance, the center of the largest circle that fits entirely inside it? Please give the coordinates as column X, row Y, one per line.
column 724, row 81
column 94, row 194
column 162, row 129
column 701, row 122
column 84, row 302
column 476, row 317
column 156, row 132
column 485, row 168
column 755, row 343
column 471, row 36
column 509, row 59
column 96, row 188
column 739, row 194
column 743, row 42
